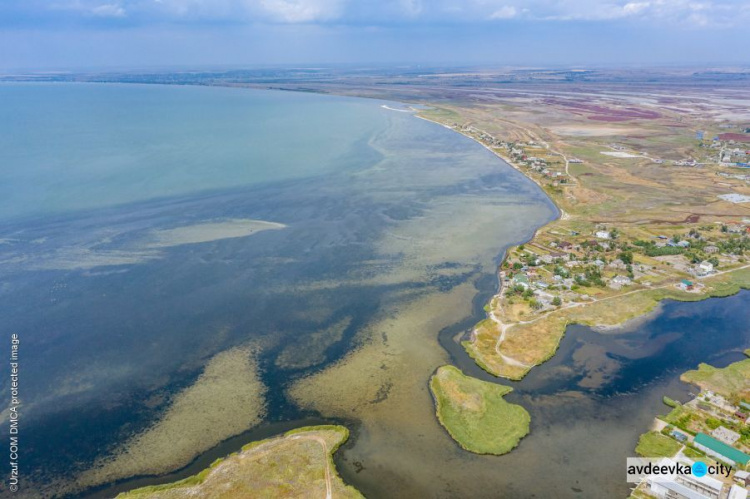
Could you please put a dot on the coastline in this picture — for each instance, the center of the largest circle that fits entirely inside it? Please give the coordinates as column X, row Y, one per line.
column 602, row 326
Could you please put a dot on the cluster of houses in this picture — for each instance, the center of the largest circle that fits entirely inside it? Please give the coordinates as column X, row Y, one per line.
column 565, row 269
column 689, row 486
column 719, row 444
column 518, row 153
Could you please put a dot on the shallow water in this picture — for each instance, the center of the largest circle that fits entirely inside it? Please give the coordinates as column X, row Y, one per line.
column 386, row 211
column 393, row 228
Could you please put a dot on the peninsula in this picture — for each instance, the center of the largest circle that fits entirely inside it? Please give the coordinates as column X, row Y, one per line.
column 298, row 463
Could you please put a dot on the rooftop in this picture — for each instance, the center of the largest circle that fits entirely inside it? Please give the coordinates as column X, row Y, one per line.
column 722, row 448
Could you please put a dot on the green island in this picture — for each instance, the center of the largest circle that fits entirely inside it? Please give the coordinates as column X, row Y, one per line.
column 712, row 427
column 475, row 413
column 298, row 463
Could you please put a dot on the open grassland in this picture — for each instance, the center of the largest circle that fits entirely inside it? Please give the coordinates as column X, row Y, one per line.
column 654, row 444
column 475, row 413
column 732, row 381
column 296, row 464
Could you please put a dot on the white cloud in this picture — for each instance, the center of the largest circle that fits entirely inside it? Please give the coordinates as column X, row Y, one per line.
column 300, row 11
column 684, row 13
column 504, row 12
column 108, row 10
column 633, row 8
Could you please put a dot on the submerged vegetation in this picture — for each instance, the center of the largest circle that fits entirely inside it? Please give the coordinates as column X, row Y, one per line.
column 475, row 413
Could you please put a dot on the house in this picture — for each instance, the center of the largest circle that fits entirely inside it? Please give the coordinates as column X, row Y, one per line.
column 679, row 436
column 565, row 245
column 547, row 258
column 705, row 268
column 683, row 486
column 737, row 492
column 686, row 285
column 710, row 250
column 617, row 264
column 521, row 280
column 725, row 435
column 621, row 280
column 683, row 244
column 742, row 477
column 602, row 234
column 720, row 450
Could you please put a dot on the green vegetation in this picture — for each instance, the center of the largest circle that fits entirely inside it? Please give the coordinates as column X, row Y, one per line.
column 732, row 381
column 680, row 417
column 668, row 401
column 475, row 413
column 298, row 463
column 654, row 444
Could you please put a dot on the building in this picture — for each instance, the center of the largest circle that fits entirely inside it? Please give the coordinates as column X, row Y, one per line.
column 711, row 249
column 737, row 492
column 684, row 486
column 621, row 280
column 725, row 435
column 565, row 245
column 720, row 450
column 686, row 285
column 602, row 234
column 521, row 280
column 705, row 268
column 742, row 477
column 679, row 436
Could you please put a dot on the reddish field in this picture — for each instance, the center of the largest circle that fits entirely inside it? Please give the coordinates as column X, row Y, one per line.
column 737, row 137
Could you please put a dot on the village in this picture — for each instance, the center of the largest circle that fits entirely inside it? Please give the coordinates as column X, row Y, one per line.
column 582, row 265
column 713, row 428
column 595, row 261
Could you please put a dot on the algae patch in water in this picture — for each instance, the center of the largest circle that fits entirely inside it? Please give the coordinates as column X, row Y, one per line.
column 227, row 399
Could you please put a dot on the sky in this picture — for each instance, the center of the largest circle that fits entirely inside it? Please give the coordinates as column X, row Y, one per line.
column 120, row 34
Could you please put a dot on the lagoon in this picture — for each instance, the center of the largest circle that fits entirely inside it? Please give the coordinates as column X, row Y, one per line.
column 148, row 231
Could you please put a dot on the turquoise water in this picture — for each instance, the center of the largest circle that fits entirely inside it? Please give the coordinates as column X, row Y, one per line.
column 381, row 211
column 72, row 147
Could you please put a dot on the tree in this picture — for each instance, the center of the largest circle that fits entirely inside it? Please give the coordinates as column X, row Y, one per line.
column 556, row 301
column 626, row 257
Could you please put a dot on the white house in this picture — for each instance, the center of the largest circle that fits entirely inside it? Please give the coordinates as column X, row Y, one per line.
column 602, row 234
column 621, row 280
column 705, row 267
column 684, row 486
column 737, row 492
